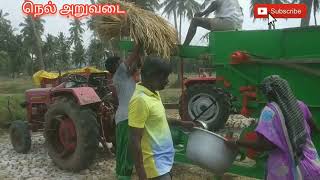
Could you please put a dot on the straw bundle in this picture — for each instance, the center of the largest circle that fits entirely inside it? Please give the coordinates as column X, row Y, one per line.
column 155, row 34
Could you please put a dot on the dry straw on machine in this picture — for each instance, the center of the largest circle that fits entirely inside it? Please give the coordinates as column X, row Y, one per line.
column 155, row 34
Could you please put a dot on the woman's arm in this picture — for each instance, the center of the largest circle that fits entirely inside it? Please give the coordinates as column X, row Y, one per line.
column 260, row 144
column 313, row 125
column 311, row 122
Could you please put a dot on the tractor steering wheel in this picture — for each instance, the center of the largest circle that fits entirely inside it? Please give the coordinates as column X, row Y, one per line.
column 76, row 78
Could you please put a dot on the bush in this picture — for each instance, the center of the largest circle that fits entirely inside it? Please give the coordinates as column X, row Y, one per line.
column 17, row 112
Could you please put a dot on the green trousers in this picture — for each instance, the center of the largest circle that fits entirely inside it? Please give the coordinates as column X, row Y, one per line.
column 124, row 159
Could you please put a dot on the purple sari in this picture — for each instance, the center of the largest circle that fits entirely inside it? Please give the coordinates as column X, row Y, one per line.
column 280, row 165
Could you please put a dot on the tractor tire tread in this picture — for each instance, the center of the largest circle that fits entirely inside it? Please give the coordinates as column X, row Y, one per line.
column 24, row 131
column 87, row 142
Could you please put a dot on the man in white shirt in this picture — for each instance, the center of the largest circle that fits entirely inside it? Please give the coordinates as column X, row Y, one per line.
column 228, row 16
column 125, row 76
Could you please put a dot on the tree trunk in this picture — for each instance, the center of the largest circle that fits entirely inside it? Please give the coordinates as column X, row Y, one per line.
column 32, row 63
column 180, row 28
column 305, row 21
column 179, row 60
column 315, row 16
column 38, row 46
column 175, row 20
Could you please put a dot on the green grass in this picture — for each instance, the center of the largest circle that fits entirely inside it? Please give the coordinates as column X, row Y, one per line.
column 12, row 89
column 170, row 95
column 18, row 113
column 173, row 91
column 15, row 86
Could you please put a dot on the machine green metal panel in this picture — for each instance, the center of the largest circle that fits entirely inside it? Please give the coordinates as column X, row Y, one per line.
column 125, row 45
column 288, row 45
column 266, row 43
column 297, row 47
column 292, row 46
column 192, row 51
column 275, row 44
column 301, row 42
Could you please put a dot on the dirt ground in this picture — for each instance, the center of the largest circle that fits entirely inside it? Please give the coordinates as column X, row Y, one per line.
column 37, row 165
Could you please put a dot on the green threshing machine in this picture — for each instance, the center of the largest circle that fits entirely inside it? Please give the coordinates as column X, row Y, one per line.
column 241, row 59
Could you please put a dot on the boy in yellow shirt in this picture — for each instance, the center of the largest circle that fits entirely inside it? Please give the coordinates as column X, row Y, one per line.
column 152, row 146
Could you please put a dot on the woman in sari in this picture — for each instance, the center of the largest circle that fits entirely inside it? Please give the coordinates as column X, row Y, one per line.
column 284, row 131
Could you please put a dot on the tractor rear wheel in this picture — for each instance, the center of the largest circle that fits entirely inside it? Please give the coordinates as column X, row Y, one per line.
column 212, row 102
column 71, row 134
column 20, row 136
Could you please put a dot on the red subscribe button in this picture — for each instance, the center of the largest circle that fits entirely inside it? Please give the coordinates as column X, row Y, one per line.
column 280, row 10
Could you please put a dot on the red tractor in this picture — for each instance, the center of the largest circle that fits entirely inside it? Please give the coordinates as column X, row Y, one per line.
column 75, row 116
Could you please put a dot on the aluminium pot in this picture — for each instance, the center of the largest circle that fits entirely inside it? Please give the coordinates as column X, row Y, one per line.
column 201, row 124
column 208, row 150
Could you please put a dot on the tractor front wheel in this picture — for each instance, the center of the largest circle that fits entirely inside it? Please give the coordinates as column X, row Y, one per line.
column 71, row 134
column 20, row 136
column 206, row 103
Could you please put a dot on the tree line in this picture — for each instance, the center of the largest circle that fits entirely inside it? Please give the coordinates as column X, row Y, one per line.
column 26, row 52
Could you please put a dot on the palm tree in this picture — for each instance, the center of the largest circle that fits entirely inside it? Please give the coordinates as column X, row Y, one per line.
column 306, row 21
column 50, row 51
column 150, row 5
column 187, row 8
column 170, row 9
column 78, row 55
column 205, row 3
column 6, row 31
column 3, row 16
column 7, row 45
column 63, row 52
column 32, row 29
column 76, row 31
column 21, row 57
column 316, row 6
column 96, row 53
column 4, row 62
column 181, row 8
column 38, row 44
column 14, row 56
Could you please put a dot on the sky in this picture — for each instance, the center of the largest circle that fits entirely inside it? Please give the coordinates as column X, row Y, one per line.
column 57, row 23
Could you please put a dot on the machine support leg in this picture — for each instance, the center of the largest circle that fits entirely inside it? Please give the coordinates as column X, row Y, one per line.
column 182, row 86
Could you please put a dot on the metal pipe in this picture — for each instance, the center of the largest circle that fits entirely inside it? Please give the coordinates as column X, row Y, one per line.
column 182, row 86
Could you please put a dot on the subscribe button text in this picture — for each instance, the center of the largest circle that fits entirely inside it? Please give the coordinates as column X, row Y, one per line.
column 280, row 10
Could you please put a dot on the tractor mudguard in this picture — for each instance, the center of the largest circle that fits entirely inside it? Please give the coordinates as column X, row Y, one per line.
column 191, row 81
column 209, row 79
column 84, row 95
